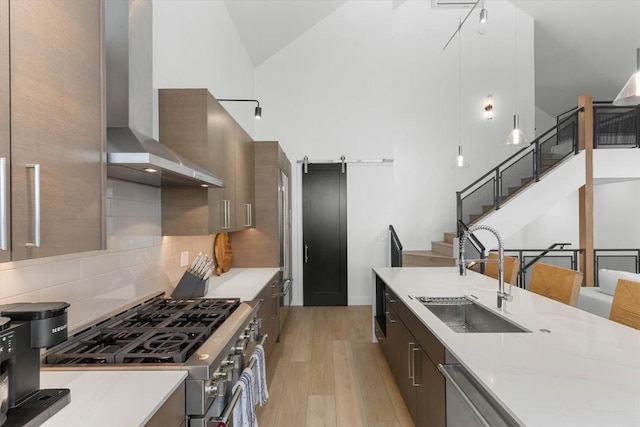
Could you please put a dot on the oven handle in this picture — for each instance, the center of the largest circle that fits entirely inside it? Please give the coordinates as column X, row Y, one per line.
column 224, row 418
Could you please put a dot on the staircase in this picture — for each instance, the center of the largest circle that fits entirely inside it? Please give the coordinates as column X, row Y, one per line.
column 441, row 254
column 547, row 162
column 554, row 156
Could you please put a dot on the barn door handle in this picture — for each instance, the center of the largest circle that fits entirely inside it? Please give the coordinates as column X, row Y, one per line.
column 306, row 254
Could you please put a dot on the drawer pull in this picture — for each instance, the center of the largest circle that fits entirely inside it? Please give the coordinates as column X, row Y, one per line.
column 388, row 316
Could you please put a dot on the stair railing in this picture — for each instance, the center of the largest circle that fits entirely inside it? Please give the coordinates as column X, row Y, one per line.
column 396, row 248
column 615, row 126
column 474, row 250
column 527, row 165
column 555, row 254
column 616, row 259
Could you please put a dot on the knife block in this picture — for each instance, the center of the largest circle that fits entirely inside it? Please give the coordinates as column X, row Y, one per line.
column 190, row 286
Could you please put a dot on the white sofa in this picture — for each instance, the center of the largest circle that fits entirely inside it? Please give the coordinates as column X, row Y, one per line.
column 597, row 300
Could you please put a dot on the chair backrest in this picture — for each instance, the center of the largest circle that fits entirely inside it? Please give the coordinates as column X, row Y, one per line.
column 558, row 283
column 625, row 307
column 511, row 267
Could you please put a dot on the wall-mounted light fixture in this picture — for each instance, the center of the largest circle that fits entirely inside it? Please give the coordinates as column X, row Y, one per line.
column 488, row 107
column 630, row 93
column 258, row 110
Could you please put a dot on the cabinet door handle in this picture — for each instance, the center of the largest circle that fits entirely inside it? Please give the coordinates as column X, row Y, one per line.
column 414, row 379
column 248, row 217
column 410, row 355
column 226, row 214
column 36, row 204
column 276, row 302
column 386, row 313
column 306, row 254
column 3, row 204
column 387, row 296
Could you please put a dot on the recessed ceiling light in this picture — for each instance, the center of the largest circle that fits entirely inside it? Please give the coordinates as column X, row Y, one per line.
column 204, row 185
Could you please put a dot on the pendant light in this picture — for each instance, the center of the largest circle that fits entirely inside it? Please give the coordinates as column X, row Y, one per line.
column 516, row 136
column 460, row 161
column 484, row 16
column 630, row 93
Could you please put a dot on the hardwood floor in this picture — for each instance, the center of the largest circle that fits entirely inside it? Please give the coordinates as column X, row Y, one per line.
column 325, row 371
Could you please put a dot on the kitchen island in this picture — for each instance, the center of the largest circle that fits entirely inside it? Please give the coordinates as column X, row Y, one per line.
column 572, row 369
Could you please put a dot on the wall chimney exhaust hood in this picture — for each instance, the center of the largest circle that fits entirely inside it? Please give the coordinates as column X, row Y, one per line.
column 131, row 154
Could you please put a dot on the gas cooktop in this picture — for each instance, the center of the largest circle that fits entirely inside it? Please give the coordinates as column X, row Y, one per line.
column 158, row 331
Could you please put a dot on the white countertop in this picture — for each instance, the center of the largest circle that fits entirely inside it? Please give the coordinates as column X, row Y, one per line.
column 110, row 398
column 243, row 283
column 585, row 372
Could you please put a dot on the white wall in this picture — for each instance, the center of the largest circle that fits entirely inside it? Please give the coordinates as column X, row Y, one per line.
column 615, row 215
column 429, row 123
column 196, row 45
column 544, row 121
column 328, row 94
column 372, row 82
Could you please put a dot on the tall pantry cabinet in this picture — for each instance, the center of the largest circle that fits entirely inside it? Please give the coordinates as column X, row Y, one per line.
column 52, row 169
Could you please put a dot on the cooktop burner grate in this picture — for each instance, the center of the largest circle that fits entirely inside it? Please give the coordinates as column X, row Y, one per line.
column 159, row 331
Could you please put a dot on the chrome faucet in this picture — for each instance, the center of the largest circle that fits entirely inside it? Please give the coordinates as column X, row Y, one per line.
column 502, row 295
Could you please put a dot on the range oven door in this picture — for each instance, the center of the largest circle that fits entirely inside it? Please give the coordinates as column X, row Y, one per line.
column 224, row 417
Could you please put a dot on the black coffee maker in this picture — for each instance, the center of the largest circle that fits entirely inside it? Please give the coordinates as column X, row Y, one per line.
column 25, row 328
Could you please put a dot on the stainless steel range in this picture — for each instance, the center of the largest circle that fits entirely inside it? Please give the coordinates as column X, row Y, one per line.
column 208, row 337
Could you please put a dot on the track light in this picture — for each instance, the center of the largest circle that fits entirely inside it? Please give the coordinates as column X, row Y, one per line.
column 630, row 93
column 258, row 110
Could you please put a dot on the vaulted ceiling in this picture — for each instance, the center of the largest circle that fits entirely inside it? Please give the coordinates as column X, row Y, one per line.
column 581, row 46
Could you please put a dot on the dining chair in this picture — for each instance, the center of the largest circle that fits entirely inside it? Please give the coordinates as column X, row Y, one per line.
column 511, row 268
column 558, row 283
column 625, row 307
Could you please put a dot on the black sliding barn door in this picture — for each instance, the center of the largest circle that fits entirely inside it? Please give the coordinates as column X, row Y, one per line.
column 324, row 234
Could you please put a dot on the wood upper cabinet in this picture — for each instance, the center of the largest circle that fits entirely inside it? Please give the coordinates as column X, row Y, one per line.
column 5, row 132
column 196, row 126
column 52, row 118
column 263, row 249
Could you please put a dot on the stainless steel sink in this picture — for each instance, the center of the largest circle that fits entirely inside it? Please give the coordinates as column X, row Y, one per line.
column 462, row 314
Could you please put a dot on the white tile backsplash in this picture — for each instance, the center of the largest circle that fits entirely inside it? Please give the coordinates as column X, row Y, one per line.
column 138, row 262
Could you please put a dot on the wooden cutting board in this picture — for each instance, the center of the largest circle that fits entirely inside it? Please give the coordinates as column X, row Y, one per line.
column 222, row 252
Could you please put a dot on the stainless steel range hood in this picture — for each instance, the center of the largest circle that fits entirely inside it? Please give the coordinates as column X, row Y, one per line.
column 131, row 154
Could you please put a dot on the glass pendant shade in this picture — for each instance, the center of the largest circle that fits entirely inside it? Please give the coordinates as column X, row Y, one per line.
column 460, row 161
column 484, row 16
column 516, row 136
column 258, row 113
column 630, row 93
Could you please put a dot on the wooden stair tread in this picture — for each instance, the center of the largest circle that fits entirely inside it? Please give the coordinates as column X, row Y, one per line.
column 426, row 253
column 426, row 259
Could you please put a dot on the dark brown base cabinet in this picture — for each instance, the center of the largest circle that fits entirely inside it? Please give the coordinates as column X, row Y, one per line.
column 413, row 354
column 269, row 311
